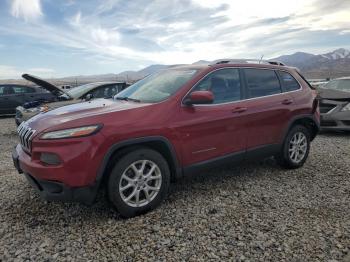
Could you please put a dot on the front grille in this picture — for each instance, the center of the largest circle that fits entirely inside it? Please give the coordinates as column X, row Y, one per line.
column 25, row 134
column 325, row 108
column 346, row 122
column 328, row 123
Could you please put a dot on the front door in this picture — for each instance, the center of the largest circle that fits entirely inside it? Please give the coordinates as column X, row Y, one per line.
column 217, row 129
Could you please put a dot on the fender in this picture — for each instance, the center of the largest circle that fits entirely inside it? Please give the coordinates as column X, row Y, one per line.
column 299, row 117
column 137, row 141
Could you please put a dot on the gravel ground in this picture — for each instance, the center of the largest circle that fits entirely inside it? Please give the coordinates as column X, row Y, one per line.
column 254, row 212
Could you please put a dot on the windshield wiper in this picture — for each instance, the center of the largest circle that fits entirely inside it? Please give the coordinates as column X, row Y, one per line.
column 128, row 99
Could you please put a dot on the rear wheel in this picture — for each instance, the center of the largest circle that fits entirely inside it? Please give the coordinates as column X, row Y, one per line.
column 138, row 182
column 295, row 148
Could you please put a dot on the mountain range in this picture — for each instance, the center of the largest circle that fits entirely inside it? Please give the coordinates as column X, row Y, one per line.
column 329, row 65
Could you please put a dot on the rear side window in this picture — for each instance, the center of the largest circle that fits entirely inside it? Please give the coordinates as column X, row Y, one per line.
column 288, row 81
column 261, row 82
column 23, row 89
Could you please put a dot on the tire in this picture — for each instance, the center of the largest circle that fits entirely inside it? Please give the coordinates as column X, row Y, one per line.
column 286, row 158
column 142, row 175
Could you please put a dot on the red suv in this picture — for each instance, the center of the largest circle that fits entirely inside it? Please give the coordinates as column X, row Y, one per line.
column 171, row 123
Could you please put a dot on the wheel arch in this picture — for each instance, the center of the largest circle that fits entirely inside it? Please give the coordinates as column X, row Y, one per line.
column 157, row 143
column 308, row 121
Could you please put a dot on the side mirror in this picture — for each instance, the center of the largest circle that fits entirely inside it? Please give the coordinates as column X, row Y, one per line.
column 199, row 97
column 88, row 97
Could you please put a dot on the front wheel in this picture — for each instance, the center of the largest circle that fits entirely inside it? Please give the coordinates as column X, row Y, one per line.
column 138, row 182
column 295, row 149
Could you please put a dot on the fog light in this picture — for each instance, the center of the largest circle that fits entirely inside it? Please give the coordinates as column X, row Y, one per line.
column 50, row 159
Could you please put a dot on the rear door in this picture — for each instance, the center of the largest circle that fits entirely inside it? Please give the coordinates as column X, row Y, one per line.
column 268, row 107
column 10, row 98
column 214, row 130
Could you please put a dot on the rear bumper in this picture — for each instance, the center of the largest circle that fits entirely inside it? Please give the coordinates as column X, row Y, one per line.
column 54, row 190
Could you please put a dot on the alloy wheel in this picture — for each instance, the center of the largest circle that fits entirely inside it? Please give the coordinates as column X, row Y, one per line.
column 140, row 183
column 297, row 147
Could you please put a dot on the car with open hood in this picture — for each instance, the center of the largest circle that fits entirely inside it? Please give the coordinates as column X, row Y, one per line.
column 65, row 97
column 335, row 104
column 13, row 95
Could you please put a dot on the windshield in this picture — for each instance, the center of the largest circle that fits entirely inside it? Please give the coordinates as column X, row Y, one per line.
column 339, row 84
column 157, row 87
column 77, row 92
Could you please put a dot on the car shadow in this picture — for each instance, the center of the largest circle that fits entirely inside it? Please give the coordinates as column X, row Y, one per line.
column 37, row 212
column 6, row 116
column 335, row 133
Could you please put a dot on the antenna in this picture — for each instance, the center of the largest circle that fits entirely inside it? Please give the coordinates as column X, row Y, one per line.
column 261, row 59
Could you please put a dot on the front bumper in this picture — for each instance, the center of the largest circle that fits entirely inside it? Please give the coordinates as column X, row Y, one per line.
column 333, row 118
column 53, row 190
column 335, row 121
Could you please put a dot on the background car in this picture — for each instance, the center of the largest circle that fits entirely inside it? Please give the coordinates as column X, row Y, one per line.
column 12, row 95
column 66, row 97
column 335, row 104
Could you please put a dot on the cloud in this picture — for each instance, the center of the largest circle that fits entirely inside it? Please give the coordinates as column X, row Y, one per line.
column 11, row 72
column 180, row 31
column 26, row 9
column 41, row 70
column 7, row 72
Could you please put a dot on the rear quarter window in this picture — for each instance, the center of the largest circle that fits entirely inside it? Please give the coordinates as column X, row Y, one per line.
column 288, row 81
column 261, row 82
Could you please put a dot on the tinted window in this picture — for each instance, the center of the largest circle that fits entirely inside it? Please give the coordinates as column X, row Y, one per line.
column 261, row 82
column 6, row 90
column 225, row 85
column 105, row 91
column 23, row 89
column 288, row 81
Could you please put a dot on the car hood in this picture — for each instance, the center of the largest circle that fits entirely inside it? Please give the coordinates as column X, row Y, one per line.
column 56, row 91
column 78, row 113
column 332, row 94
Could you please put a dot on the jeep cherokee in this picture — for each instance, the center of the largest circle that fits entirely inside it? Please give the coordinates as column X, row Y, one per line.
column 177, row 121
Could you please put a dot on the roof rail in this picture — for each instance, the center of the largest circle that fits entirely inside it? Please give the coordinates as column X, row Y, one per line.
column 246, row 61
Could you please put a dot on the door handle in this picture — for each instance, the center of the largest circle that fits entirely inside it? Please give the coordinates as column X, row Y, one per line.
column 239, row 110
column 287, row 101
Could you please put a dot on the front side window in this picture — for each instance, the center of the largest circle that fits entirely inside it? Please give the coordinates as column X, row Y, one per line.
column 225, row 85
column 157, row 87
column 288, row 81
column 261, row 82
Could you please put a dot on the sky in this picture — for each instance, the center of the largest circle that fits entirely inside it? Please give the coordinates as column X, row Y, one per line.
column 52, row 38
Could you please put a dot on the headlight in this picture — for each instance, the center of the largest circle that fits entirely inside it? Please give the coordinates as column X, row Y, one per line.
column 346, row 108
column 72, row 132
